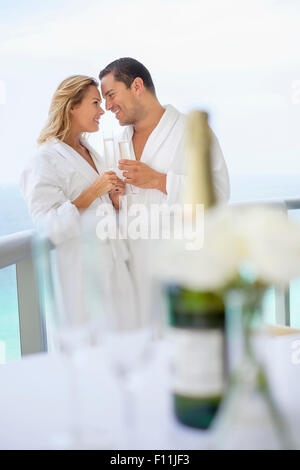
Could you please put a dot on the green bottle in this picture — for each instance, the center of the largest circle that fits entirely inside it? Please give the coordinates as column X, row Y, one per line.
column 197, row 318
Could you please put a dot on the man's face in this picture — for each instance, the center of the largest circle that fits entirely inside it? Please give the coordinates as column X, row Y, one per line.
column 120, row 100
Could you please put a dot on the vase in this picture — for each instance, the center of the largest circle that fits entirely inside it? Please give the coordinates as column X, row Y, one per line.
column 249, row 417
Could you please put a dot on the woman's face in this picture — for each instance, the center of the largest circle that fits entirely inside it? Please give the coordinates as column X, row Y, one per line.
column 86, row 115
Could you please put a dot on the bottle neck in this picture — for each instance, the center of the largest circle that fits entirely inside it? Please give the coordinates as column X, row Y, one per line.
column 200, row 189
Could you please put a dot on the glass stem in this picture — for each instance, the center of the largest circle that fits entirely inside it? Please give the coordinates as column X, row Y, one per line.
column 263, row 383
column 283, row 432
column 129, row 411
column 75, row 410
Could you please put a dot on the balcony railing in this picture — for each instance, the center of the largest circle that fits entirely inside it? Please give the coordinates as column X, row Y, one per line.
column 16, row 250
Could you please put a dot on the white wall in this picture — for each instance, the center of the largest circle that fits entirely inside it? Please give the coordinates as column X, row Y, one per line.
column 237, row 58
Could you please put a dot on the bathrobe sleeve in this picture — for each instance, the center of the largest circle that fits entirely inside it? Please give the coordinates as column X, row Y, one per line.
column 43, row 190
column 176, row 180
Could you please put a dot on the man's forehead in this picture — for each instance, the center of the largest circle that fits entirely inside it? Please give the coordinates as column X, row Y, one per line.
column 109, row 83
column 108, row 80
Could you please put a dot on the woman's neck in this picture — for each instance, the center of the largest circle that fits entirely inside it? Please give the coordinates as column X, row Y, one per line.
column 73, row 140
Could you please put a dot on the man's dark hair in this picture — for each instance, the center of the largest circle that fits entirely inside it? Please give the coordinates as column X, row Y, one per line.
column 126, row 70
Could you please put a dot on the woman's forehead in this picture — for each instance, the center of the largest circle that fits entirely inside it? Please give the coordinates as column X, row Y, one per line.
column 93, row 92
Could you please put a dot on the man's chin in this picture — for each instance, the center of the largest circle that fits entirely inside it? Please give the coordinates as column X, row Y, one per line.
column 126, row 122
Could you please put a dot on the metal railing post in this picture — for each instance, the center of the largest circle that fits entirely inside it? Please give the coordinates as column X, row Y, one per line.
column 282, row 306
column 32, row 328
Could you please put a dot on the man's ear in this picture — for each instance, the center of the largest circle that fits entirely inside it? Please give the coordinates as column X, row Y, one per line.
column 138, row 85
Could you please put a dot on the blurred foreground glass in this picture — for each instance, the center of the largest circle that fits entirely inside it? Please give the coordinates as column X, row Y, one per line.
column 74, row 322
column 249, row 417
column 129, row 323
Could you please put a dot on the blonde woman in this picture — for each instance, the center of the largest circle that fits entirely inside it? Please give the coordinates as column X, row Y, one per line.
column 65, row 181
column 66, row 175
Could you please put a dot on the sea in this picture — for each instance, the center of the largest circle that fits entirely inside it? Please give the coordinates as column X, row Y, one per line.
column 14, row 217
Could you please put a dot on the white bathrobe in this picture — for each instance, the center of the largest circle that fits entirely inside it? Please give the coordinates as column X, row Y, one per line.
column 53, row 179
column 165, row 152
column 55, row 176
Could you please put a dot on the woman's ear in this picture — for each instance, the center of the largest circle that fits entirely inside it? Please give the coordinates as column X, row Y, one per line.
column 73, row 108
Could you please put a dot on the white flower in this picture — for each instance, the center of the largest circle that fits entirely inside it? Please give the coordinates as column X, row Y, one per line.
column 273, row 244
column 209, row 267
column 263, row 237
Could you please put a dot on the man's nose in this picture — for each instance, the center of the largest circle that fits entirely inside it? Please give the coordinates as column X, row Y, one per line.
column 108, row 104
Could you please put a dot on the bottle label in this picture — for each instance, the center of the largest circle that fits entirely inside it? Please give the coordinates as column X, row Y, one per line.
column 197, row 362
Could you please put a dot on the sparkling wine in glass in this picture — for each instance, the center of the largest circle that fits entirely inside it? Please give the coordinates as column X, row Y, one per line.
column 111, row 161
column 125, row 153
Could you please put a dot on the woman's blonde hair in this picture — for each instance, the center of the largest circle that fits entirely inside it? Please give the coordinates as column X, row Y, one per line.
column 69, row 93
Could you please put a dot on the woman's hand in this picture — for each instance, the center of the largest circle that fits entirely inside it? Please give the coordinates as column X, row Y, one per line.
column 107, row 182
column 116, row 193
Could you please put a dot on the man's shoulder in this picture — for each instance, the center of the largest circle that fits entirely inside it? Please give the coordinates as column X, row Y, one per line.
column 174, row 117
column 170, row 109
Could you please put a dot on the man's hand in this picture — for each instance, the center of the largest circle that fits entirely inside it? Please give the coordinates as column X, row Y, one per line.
column 141, row 175
column 116, row 193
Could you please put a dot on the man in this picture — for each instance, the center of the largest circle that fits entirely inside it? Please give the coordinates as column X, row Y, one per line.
column 156, row 134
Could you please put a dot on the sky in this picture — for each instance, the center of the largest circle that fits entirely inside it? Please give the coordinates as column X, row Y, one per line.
column 238, row 59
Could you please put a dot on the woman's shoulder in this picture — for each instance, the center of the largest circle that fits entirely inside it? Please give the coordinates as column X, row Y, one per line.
column 43, row 159
column 46, row 149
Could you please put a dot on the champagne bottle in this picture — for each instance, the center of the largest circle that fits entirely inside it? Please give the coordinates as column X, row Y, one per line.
column 197, row 318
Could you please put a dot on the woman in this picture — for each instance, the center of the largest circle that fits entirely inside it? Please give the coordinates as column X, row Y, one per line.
column 65, row 181
column 66, row 176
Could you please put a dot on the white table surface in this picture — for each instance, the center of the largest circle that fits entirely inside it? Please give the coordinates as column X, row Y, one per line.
column 34, row 400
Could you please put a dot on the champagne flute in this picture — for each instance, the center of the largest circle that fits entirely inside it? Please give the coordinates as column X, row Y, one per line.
column 111, row 162
column 129, row 326
column 75, row 325
column 113, row 152
column 124, row 151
